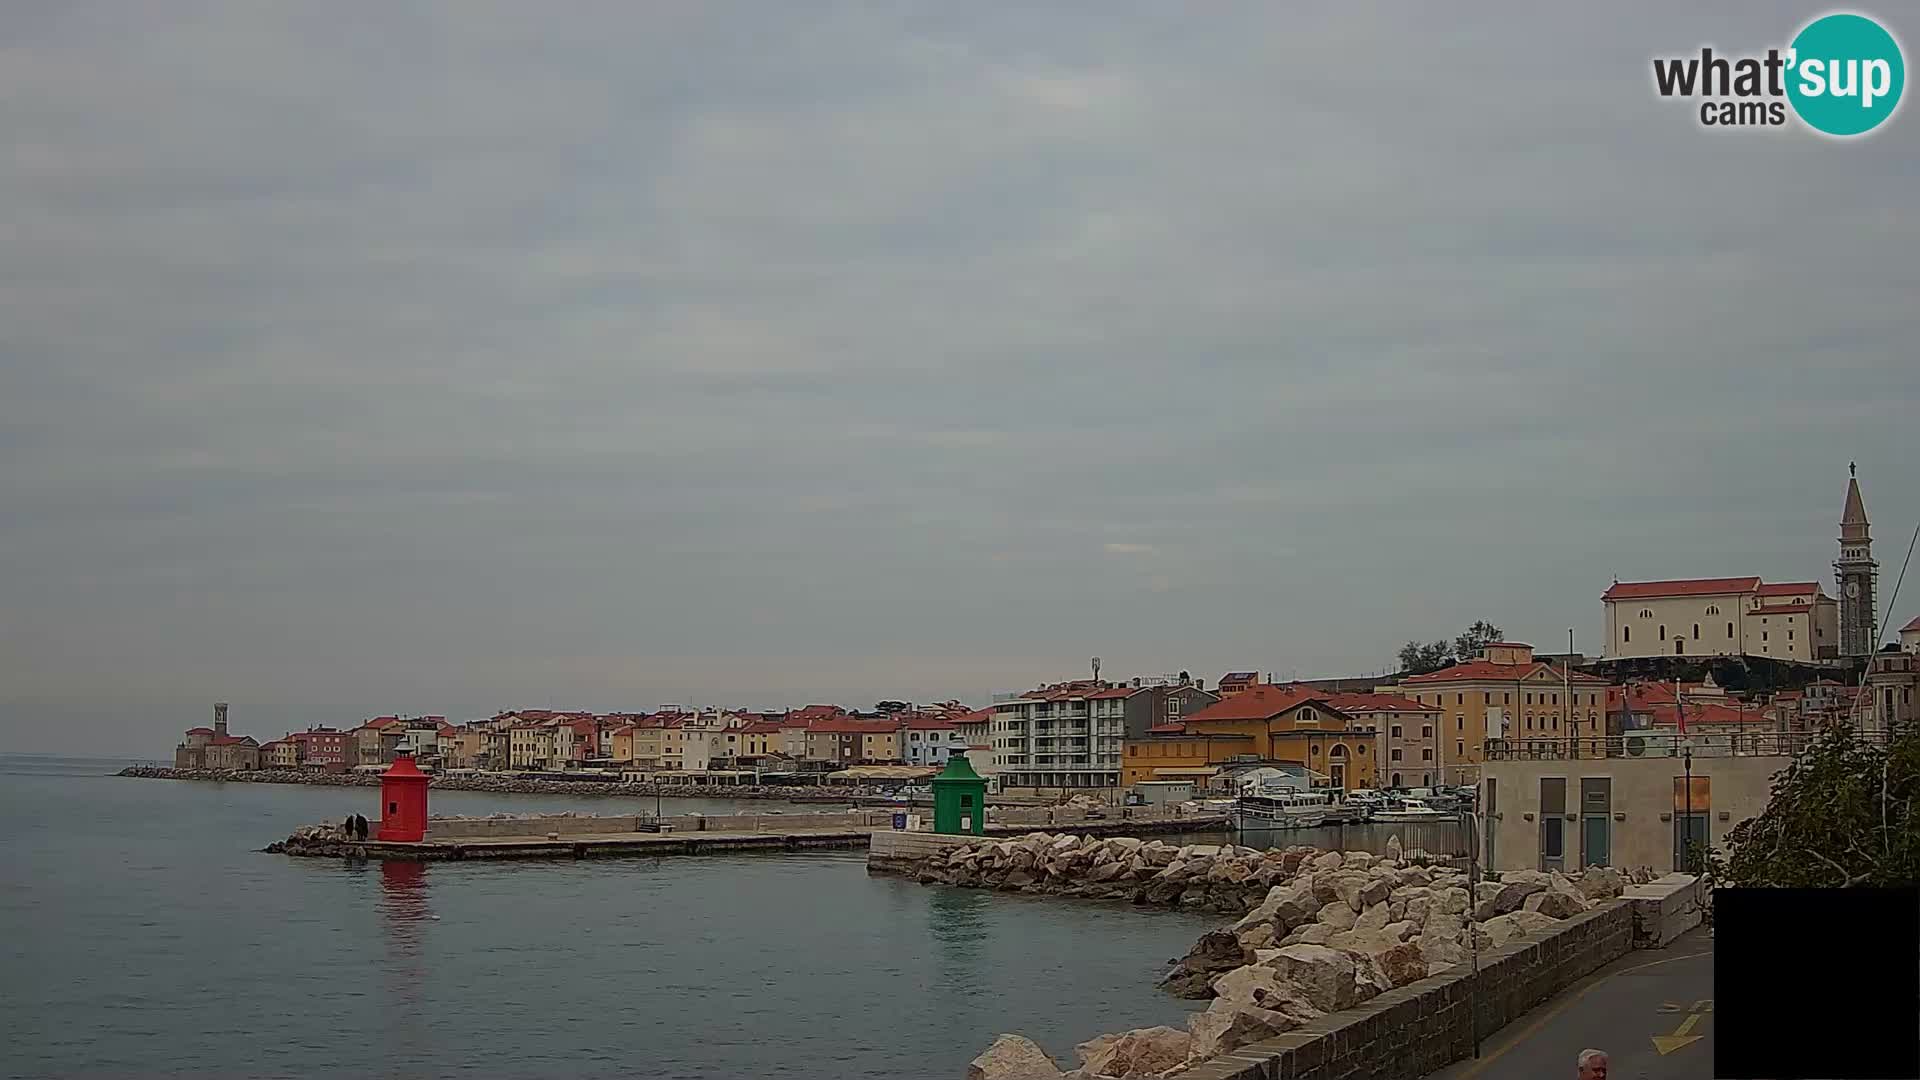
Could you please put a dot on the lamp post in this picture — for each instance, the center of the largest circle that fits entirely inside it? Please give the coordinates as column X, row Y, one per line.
column 1686, row 827
column 1470, row 822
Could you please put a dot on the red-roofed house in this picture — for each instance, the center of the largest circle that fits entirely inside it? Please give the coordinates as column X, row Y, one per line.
column 1264, row 723
column 213, row 748
column 1793, row 621
column 929, row 740
column 1234, row 682
column 1406, row 738
column 1910, row 636
column 1505, row 694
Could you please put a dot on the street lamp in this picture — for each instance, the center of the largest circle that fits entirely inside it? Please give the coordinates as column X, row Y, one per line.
column 1686, row 825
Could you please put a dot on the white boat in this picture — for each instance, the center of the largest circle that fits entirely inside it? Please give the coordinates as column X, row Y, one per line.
column 1412, row 810
column 1282, row 810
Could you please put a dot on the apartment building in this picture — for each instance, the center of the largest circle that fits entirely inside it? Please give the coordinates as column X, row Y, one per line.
column 1505, row 694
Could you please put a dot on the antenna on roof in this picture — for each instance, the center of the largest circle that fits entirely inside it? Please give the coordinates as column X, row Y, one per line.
column 1096, row 669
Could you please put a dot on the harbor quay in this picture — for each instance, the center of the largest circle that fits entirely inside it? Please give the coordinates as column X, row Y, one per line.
column 569, row 836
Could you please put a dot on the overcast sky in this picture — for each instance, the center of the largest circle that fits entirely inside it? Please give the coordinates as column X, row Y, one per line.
column 443, row 358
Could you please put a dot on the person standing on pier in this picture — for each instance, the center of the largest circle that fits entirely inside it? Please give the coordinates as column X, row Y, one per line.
column 346, row 828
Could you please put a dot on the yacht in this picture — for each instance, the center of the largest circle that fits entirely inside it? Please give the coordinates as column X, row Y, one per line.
column 1283, row 810
column 1412, row 810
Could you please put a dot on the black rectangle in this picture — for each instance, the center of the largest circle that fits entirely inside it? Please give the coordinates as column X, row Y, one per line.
column 1821, row 984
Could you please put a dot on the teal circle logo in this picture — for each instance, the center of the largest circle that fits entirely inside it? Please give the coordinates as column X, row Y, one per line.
column 1845, row 75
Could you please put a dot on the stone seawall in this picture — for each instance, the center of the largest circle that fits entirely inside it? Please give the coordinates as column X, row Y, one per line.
column 1334, row 934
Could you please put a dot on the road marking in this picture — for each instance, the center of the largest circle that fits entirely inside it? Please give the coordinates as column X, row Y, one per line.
column 1681, row 1037
column 1672, row 1007
column 1527, row 1032
column 1703, row 1005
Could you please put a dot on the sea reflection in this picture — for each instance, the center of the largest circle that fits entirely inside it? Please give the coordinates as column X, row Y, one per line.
column 405, row 916
column 959, row 925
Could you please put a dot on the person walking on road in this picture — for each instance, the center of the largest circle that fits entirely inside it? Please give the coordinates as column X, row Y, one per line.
column 1592, row 1065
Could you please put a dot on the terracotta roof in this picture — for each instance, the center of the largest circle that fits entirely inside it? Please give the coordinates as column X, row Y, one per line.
column 929, row 723
column 1508, row 645
column 1705, row 714
column 1240, row 676
column 1171, row 727
column 1912, row 626
column 1117, row 692
column 854, row 727
column 977, row 716
column 1648, row 590
column 199, row 731
column 1378, row 703
column 763, row 727
column 1261, row 702
column 232, row 740
column 1488, row 671
column 1789, row 588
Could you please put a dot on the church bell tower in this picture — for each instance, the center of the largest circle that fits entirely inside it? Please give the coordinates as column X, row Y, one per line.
column 1855, row 572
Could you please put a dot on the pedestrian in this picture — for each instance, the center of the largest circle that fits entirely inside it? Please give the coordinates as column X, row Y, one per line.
column 360, row 826
column 1592, row 1065
column 346, row 828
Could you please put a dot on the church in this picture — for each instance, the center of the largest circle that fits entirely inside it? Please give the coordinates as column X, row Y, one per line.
column 1796, row 622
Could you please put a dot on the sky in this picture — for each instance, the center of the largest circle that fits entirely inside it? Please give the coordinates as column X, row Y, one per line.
column 452, row 357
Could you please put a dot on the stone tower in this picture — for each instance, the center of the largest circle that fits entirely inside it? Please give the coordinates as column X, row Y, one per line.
column 219, row 718
column 1855, row 572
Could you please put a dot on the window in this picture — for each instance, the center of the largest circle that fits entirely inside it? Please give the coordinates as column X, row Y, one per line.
column 1361, row 750
column 1646, row 613
column 1696, row 631
column 1133, row 751
column 1489, row 700
column 1316, row 751
column 1529, row 721
column 1763, row 635
column 1506, row 698
column 1427, row 754
column 1459, row 699
column 1426, row 731
column 1663, row 631
column 1394, row 754
column 1459, row 722
column 1789, row 635
column 1713, row 609
column 1394, row 731
column 1529, row 699
column 1729, row 631
column 1459, row 749
column 1626, row 633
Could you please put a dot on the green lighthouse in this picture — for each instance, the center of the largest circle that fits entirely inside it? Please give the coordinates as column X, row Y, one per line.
column 960, row 798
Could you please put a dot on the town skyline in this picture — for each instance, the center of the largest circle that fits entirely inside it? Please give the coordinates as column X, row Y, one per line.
column 476, row 361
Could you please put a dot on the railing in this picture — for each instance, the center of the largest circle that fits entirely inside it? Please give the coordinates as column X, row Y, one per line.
column 1666, row 744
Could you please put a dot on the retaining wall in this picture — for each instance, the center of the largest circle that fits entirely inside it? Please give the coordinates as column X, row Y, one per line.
column 1417, row 1029
column 471, row 828
column 1666, row 908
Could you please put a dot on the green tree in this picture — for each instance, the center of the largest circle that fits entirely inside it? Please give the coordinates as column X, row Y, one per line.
column 1476, row 637
column 1840, row 816
column 1418, row 659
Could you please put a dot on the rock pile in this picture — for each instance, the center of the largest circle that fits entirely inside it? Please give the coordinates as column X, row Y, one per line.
column 1219, row 878
column 1332, row 930
column 321, row 840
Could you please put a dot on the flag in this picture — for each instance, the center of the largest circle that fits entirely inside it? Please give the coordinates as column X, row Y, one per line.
column 1679, row 708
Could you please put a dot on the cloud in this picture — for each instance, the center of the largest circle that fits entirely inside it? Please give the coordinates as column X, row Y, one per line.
column 413, row 359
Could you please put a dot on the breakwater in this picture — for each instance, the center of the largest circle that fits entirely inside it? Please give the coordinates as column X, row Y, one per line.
column 568, row 836
column 513, row 785
column 1333, row 933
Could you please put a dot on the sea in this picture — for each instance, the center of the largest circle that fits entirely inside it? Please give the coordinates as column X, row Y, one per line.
column 144, row 934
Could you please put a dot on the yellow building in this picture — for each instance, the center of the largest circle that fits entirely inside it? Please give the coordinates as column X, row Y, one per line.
column 1506, row 694
column 620, row 745
column 1263, row 723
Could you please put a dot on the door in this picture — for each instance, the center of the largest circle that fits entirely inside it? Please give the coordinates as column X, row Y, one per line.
column 1339, row 772
column 1553, row 823
column 1688, row 829
column 1593, row 847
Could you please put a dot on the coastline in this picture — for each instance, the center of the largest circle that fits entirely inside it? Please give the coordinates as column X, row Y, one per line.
column 514, row 786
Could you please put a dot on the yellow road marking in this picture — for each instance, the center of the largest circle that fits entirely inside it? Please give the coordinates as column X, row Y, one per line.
column 1682, row 1036
column 1527, row 1032
column 1703, row 1005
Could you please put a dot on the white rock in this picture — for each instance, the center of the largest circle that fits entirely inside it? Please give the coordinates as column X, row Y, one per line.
column 1013, row 1057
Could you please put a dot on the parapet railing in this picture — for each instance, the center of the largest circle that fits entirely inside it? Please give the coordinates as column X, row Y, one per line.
column 1666, row 744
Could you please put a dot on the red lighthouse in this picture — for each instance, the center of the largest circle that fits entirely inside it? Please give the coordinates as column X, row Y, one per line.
column 403, row 802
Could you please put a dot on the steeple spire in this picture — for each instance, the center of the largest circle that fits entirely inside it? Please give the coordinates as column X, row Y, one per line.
column 1853, row 520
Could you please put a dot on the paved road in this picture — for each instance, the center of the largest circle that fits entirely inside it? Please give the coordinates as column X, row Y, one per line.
column 1621, row 1009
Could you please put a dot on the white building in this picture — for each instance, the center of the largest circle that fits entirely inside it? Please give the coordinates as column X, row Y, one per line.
column 930, row 740
column 1068, row 735
column 1737, row 616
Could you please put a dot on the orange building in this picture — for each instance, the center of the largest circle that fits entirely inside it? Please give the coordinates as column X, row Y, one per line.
column 1260, row 724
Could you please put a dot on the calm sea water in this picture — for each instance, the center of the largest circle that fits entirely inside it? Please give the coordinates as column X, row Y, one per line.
column 143, row 935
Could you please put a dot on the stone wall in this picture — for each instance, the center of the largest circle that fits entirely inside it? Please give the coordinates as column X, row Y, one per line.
column 586, row 824
column 1666, row 908
column 1427, row 1025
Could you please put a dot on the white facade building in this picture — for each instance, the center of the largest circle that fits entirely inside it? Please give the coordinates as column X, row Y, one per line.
column 1721, row 617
